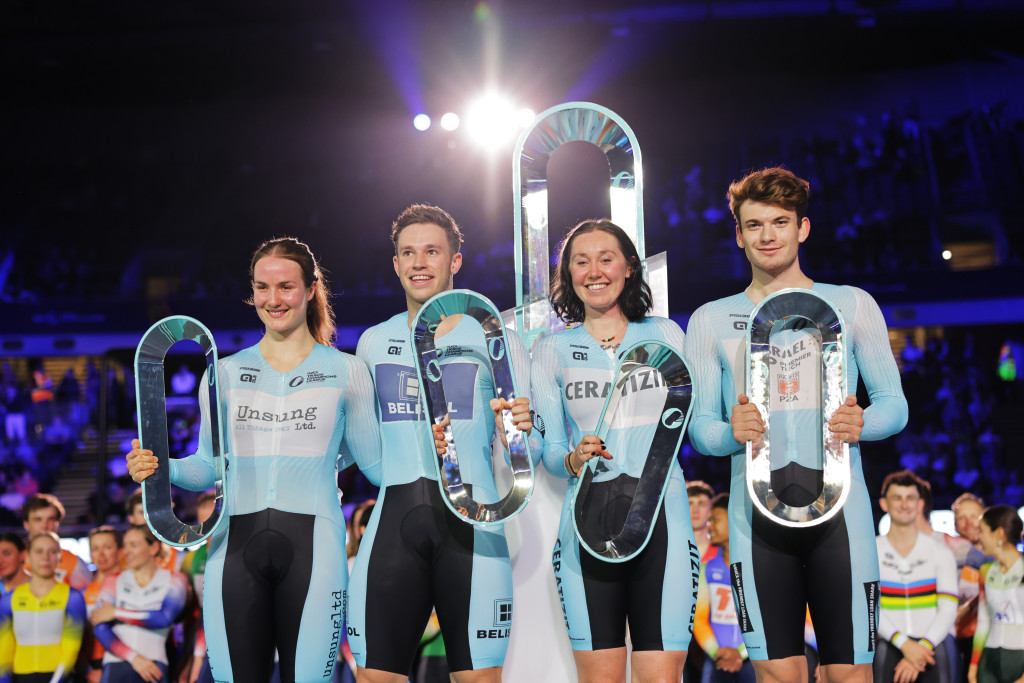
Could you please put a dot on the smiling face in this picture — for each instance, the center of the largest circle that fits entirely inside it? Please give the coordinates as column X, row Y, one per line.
column 598, row 270
column 44, row 554
column 138, row 551
column 12, row 560
column 968, row 520
column 903, row 503
column 991, row 540
column 104, row 551
column 771, row 236
column 424, row 262
column 280, row 296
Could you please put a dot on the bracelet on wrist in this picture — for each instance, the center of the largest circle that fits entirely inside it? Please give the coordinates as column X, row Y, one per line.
column 568, row 465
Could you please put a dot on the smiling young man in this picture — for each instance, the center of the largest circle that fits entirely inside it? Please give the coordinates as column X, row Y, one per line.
column 416, row 554
column 778, row 571
column 918, row 590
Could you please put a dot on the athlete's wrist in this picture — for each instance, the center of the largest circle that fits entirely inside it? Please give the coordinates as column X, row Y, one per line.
column 568, row 465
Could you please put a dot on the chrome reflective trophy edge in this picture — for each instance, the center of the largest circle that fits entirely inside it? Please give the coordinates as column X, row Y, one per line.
column 782, row 310
column 568, row 122
column 152, row 407
column 435, row 406
column 650, row 489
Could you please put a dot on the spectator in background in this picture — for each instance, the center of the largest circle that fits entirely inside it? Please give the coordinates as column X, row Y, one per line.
column 194, row 567
column 43, row 512
column 12, row 563
column 69, row 390
column 998, row 655
column 169, row 557
column 18, row 401
column 715, row 625
column 135, row 611
column 699, row 495
column 967, row 509
column 918, row 590
column 105, row 550
column 41, row 622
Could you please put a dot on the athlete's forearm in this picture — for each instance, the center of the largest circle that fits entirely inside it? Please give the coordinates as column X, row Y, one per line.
column 887, row 414
column 112, row 643
column 710, row 431
column 362, row 431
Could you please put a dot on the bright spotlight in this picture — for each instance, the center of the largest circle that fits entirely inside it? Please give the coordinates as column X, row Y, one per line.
column 525, row 117
column 947, row 254
column 491, row 120
column 421, row 122
column 450, row 121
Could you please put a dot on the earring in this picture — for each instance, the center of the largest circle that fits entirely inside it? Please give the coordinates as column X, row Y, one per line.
column 999, row 544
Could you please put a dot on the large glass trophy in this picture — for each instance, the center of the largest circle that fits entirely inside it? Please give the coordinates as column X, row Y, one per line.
column 798, row 472
column 648, row 363
column 431, row 379
column 152, row 406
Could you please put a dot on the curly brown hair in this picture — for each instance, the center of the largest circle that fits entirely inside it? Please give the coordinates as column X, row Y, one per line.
column 776, row 186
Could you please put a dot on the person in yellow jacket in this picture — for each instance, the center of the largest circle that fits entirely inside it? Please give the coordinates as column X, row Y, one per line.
column 41, row 621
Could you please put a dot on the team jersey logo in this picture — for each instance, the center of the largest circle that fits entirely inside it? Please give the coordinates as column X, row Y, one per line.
column 398, row 391
column 502, row 612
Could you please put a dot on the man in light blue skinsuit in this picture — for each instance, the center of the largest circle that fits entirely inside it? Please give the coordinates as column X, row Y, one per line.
column 416, row 553
column 779, row 571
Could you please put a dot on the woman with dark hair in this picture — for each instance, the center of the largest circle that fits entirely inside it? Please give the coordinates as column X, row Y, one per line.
column 275, row 574
column 998, row 655
column 599, row 288
column 12, row 563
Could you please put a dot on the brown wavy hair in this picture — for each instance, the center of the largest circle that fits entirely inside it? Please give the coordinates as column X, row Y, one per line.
column 319, row 313
column 776, row 186
column 635, row 299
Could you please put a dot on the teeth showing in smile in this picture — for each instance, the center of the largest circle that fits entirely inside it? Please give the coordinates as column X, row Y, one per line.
column 420, row 278
column 594, row 288
column 276, row 314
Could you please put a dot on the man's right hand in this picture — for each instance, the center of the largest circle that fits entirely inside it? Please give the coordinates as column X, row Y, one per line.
column 747, row 424
column 141, row 462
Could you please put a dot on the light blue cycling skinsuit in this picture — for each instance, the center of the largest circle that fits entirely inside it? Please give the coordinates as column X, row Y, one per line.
column 416, row 553
column 657, row 590
column 276, row 576
column 777, row 571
